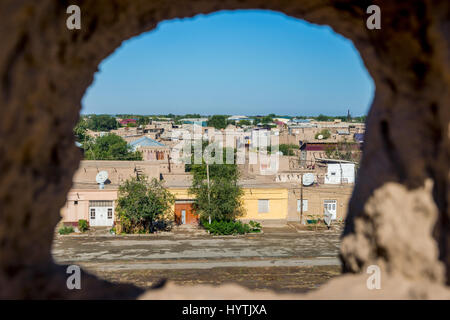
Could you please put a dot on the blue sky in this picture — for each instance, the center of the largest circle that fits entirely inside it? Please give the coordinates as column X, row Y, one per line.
column 248, row 62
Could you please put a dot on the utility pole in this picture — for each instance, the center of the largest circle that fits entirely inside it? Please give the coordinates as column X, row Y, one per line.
column 209, row 197
column 168, row 160
column 301, row 199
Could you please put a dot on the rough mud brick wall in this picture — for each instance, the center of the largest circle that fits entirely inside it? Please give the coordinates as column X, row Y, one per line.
column 399, row 213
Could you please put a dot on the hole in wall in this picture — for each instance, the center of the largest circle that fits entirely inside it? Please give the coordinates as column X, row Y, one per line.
column 252, row 63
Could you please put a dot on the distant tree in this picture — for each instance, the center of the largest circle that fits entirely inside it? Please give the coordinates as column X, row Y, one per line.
column 244, row 123
column 191, row 116
column 143, row 120
column 144, row 206
column 267, row 119
column 102, row 122
column 322, row 117
column 218, row 121
column 110, row 147
column 360, row 119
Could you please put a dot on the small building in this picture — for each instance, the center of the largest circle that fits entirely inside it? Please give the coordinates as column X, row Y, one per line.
column 339, row 173
column 151, row 149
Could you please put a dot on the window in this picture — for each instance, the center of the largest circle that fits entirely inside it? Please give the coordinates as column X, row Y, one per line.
column 330, row 205
column 305, row 205
column 100, row 203
column 92, row 213
column 109, row 213
column 263, row 206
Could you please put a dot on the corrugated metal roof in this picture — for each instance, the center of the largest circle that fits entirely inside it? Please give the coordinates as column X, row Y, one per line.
column 146, row 142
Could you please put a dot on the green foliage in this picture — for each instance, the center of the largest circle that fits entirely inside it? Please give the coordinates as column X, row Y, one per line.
column 143, row 204
column 288, row 149
column 325, row 133
column 244, row 123
column 344, row 151
column 102, row 122
column 255, row 227
column 224, row 227
column 218, row 121
column 65, row 230
column 83, row 225
column 348, row 117
column 143, row 120
column 361, row 119
column 80, row 130
column 267, row 119
column 225, row 195
column 110, row 147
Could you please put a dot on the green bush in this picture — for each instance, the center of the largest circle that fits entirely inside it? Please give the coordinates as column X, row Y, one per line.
column 255, row 226
column 83, row 225
column 224, row 227
column 325, row 134
column 65, row 230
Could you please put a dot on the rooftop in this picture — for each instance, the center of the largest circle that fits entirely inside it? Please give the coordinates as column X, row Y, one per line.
column 146, row 142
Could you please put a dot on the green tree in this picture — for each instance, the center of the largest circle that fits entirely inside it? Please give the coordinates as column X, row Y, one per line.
column 80, row 130
column 267, row 119
column 244, row 122
column 142, row 205
column 288, row 149
column 143, row 120
column 110, row 147
column 322, row 117
column 218, row 121
column 225, row 195
column 102, row 122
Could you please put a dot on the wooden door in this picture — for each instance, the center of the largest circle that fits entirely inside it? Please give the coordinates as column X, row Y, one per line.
column 184, row 213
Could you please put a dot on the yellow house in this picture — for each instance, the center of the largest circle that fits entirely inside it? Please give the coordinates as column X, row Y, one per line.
column 265, row 203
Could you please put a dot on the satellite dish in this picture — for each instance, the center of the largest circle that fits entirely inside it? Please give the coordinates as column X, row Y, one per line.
column 308, row 179
column 101, row 177
column 320, row 137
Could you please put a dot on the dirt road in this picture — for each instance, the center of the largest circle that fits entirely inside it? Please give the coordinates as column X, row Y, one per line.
column 281, row 259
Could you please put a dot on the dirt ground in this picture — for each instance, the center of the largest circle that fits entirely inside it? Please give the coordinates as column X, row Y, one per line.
column 281, row 259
